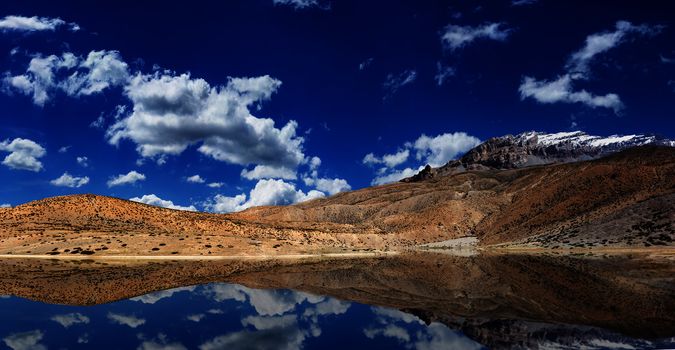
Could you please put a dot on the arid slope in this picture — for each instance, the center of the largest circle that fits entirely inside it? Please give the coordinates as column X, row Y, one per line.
column 624, row 200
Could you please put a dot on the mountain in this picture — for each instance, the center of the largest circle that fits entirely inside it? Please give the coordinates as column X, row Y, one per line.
column 537, row 148
column 625, row 200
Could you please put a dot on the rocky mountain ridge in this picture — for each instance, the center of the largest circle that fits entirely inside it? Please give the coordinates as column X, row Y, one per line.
column 538, row 148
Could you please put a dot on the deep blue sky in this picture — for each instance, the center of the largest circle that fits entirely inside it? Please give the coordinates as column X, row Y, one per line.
column 342, row 112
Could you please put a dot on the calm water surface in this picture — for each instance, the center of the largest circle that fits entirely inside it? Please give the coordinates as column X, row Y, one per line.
column 220, row 316
column 434, row 302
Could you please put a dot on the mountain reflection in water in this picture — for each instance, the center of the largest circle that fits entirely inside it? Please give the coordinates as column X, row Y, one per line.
column 220, row 316
column 411, row 301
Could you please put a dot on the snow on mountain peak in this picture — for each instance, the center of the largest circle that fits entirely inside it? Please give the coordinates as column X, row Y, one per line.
column 582, row 139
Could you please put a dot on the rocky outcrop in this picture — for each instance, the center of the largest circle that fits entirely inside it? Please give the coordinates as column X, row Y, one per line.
column 535, row 148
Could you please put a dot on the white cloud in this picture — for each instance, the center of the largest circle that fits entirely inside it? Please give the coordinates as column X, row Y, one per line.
column 128, row 178
column 560, row 90
column 64, row 149
column 365, row 64
column 152, row 199
column 265, row 192
column 5, row 205
column 330, row 186
column 443, row 73
column 395, row 176
column 195, row 317
column 602, row 42
column 455, row 37
column 171, row 113
column 578, row 68
column 523, row 2
column 70, row 74
column 393, row 82
column 314, row 163
column 195, row 179
column 435, row 151
column 25, row 341
column 67, row 180
column 126, row 320
column 215, row 184
column 302, row 4
column 438, row 336
column 83, row 161
column 102, row 69
column 438, row 150
column 390, row 160
column 153, row 345
column 23, row 154
column 268, row 172
column 159, row 295
column 391, row 331
column 68, row 320
column 33, row 24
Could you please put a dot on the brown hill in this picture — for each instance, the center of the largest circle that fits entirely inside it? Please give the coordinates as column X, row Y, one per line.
column 624, row 200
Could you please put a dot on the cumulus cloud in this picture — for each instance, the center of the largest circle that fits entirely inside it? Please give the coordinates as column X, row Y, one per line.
column 390, row 160
column 330, row 186
column 438, row 150
column 394, row 82
column 265, row 192
column 152, row 199
column 67, row 180
column 154, row 297
column 25, row 341
column 215, row 184
column 602, row 42
column 171, row 113
column 70, row 74
column 68, row 320
column 195, row 317
column 24, row 154
column 435, row 151
column 561, row 90
column 395, row 176
column 126, row 320
column 5, row 205
column 83, row 161
column 391, row 331
column 128, row 178
column 195, row 179
column 323, row 185
column 33, row 24
column 455, row 37
column 268, row 172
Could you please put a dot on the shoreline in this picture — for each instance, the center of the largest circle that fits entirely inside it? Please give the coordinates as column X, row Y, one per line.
column 198, row 257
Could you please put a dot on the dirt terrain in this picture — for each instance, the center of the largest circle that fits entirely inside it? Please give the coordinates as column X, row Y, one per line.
column 625, row 200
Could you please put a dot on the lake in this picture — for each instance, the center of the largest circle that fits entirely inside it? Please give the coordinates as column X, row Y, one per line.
column 407, row 301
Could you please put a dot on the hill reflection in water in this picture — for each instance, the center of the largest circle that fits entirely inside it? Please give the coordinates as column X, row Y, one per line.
column 220, row 316
column 415, row 301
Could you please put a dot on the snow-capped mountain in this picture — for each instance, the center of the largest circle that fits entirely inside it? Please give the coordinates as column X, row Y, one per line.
column 538, row 148
column 582, row 139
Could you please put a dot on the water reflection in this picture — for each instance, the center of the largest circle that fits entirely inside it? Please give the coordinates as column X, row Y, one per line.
column 413, row 301
column 220, row 316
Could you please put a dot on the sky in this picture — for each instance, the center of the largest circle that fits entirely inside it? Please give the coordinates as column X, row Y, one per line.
column 220, row 106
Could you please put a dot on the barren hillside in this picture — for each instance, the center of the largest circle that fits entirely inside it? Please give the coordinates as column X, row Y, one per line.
column 623, row 200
